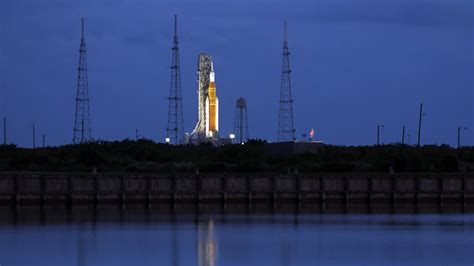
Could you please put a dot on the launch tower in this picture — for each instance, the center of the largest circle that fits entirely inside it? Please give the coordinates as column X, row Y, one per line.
column 175, row 128
column 82, row 123
column 203, row 75
column 286, row 128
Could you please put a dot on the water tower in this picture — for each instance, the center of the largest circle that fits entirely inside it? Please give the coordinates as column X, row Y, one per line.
column 241, row 127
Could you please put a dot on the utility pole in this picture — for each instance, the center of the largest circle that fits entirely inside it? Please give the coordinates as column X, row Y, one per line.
column 136, row 134
column 4, row 131
column 419, row 124
column 44, row 141
column 34, row 137
column 378, row 133
column 459, row 136
column 403, row 135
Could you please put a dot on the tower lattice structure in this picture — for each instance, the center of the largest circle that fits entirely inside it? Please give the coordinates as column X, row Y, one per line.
column 203, row 79
column 175, row 128
column 241, row 127
column 286, row 128
column 82, row 123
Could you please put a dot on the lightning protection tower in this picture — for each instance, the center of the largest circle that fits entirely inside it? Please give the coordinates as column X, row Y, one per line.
column 82, row 123
column 175, row 128
column 241, row 127
column 286, row 129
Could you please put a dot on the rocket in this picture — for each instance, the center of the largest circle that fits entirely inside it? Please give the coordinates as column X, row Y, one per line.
column 212, row 108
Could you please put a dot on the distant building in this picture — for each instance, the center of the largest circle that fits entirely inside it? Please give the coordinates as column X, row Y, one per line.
column 294, row 147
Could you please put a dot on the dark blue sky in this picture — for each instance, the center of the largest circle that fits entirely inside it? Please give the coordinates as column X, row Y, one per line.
column 355, row 64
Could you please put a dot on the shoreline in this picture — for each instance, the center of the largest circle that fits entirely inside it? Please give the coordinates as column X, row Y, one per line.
column 227, row 188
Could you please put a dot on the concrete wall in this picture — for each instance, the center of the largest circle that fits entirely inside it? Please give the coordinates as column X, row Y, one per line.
column 234, row 187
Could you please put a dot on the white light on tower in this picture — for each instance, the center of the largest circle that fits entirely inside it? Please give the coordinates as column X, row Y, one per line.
column 167, row 140
column 231, row 137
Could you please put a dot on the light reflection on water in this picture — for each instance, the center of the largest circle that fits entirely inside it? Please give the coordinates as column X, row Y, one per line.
column 207, row 244
column 125, row 237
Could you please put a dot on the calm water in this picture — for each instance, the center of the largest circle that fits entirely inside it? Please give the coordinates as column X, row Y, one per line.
column 243, row 239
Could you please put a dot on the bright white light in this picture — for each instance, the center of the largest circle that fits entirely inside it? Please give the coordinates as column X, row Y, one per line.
column 232, row 136
column 167, row 140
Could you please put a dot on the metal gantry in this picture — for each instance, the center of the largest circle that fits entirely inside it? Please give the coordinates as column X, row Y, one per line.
column 82, row 123
column 204, row 66
column 286, row 128
column 175, row 128
column 241, row 127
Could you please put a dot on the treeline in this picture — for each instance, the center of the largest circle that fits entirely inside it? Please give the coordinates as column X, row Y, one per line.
column 145, row 156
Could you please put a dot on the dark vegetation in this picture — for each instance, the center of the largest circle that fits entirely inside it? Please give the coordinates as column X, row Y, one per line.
column 148, row 156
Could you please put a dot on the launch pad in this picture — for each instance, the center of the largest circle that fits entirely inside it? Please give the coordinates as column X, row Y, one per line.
column 207, row 126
